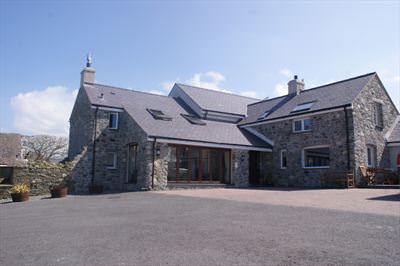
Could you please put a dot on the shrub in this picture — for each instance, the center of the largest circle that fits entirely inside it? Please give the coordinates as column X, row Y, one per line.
column 19, row 188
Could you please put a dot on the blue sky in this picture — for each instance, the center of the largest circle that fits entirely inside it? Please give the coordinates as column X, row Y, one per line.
column 250, row 48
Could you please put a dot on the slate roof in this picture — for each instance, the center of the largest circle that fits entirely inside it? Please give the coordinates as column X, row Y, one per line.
column 325, row 97
column 217, row 100
column 135, row 104
column 10, row 149
column 395, row 135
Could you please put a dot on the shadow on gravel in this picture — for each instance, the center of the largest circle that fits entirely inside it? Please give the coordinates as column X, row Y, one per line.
column 394, row 197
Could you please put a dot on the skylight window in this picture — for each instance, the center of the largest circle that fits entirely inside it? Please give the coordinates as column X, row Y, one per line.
column 302, row 107
column 158, row 114
column 264, row 115
column 194, row 120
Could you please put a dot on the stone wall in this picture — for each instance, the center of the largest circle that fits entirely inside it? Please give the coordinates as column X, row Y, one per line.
column 40, row 176
column 365, row 130
column 240, row 168
column 327, row 129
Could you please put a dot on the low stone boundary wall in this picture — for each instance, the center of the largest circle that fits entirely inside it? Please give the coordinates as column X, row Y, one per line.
column 40, row 176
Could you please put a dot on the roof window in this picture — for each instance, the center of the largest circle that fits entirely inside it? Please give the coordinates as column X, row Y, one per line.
column 302, row 107
column 194, row 120
column 158, row 114
column 264, row 115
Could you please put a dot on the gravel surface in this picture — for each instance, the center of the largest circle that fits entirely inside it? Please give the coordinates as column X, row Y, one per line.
column 152, row 228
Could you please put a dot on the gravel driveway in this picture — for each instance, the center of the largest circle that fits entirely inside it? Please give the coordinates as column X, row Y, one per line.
column 154, row 228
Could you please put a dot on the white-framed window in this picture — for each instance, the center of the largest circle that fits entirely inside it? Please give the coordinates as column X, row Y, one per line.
column 283, row 159
column 111, row 160
column 113, row 120
column 371, row 156
column 378, row 114
column 316, row 157
column 302, row 125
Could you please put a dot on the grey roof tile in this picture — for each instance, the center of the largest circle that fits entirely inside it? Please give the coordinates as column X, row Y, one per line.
column 395, row 135
column 218, row 101
column 328, row 96
column 135, row 104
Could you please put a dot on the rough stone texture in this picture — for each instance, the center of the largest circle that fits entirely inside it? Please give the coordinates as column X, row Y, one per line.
column 240, row 168
column 327, row 129
column 111, row 140
column 365, row 130
column 40, row 176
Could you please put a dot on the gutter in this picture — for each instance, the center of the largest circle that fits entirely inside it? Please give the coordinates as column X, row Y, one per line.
column 346, row 119
column 292, row 115
column 94, row 145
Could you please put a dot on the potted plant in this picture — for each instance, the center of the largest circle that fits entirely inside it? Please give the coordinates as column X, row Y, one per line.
column 19, row 192
column 59, row 191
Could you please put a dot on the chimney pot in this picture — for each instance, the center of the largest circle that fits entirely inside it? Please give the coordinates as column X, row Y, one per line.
column 295, row 86
column 88, row 73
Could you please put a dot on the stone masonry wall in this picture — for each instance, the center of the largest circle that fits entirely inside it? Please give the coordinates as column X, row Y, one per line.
column 240, row 168
column 327, row 129
column 40, row 176
column 365, row 130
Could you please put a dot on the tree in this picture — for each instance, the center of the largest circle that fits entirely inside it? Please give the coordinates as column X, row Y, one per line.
column 45, row 148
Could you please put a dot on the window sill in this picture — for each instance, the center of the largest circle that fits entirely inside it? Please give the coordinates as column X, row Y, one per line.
column 112, row 128
column 315, row 167
column 111, row 168
column 302, row 131
column 283, row 168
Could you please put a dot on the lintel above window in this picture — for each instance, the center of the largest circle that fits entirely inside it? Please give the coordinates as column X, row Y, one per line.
column 159, row 115
column 302, row 107
column 194, row 120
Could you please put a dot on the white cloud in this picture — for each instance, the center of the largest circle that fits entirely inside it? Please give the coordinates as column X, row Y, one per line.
column 157, row 92
column 280, row 89
column 251, row 94
column 43, row 112
column 286, row 72
column 210, row 80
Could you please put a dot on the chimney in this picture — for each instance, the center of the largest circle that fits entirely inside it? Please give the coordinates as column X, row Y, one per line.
column 87, row 74
column 295, row 85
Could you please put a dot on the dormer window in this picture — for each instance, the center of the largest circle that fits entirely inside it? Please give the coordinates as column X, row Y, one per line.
column 159, row 115
column 113, row 121
column 264, row 115
column 194, row 120
column 303, row 107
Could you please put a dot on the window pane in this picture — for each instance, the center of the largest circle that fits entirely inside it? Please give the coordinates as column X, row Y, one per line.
column 297, row 125
column 183, row 163
column 307, row 124
column 111, row 159
column 317, row 157
column 379, row 114
column 283, row 159
column 113, row 120
column 205, row 171
column 194, row 164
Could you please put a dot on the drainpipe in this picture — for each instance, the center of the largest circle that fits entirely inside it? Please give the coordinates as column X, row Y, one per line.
column 347, row 137
column 94, row 145
column 154, row 157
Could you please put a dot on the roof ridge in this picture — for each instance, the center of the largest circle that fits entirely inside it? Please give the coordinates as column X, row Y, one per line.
column 223, row 92
column 318, row 87
column 340, row 81
column 125, row 89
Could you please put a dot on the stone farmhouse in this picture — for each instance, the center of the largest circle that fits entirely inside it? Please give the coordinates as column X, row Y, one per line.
column 130, row 140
